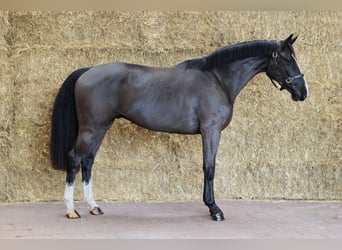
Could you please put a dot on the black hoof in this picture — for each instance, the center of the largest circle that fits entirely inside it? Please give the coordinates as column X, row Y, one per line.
column 96, row 211
column 218, row 216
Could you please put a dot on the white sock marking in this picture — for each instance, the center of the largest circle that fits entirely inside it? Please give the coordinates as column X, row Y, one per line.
column 69, row 197
column 88, row 194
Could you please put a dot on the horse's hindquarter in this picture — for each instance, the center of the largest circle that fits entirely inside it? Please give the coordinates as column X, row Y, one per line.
column 161, row 99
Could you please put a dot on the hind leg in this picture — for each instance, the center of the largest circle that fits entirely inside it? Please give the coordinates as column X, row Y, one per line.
column 74, row 166
column 83, row 155
column 88, row 195
column 93, row 141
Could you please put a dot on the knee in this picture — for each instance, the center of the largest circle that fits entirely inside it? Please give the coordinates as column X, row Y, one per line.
column 209, row 172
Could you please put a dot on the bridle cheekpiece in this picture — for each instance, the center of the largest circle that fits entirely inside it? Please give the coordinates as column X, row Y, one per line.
column 288, row 81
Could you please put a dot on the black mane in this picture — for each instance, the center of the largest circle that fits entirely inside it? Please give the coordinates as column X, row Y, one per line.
column 231, row 53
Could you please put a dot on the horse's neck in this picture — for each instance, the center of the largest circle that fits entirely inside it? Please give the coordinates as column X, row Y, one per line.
column 235, row 76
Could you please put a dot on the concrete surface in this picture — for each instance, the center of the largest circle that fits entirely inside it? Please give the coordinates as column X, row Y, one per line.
column 244, row 220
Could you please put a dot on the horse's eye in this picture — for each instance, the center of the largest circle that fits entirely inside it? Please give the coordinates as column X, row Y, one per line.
column 289, row 62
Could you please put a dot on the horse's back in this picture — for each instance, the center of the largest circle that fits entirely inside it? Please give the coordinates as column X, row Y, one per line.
column 130, row 82
column 162, row 99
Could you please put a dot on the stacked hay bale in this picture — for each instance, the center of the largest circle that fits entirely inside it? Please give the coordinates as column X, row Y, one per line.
column 274, row 148
column 6, row 108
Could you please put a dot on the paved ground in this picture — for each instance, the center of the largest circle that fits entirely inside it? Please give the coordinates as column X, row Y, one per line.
column 244, row 220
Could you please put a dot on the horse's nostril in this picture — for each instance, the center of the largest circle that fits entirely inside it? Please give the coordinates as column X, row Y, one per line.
column 304, row 95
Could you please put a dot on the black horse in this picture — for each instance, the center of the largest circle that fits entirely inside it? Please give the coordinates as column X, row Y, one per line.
column 193, row 97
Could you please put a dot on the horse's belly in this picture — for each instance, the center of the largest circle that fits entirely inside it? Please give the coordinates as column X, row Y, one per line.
column 165, row 118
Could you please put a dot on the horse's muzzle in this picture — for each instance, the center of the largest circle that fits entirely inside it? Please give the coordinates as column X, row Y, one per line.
column 301, row 97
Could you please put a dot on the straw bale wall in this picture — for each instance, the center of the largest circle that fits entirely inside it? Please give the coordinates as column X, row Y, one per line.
column 273, row 149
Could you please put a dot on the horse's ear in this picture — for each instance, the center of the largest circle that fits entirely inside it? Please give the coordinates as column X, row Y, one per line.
column 290, row 39
column 294, row 39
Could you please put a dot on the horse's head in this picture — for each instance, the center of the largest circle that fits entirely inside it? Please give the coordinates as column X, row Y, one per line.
column 284, row 69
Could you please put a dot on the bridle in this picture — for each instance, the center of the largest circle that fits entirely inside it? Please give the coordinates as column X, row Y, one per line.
column 288, row 81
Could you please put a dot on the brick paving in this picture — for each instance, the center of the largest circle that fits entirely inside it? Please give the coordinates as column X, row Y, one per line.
column 190, row 220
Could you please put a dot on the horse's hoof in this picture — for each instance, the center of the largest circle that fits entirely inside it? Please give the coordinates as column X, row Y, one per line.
column 73, row 215
column 96, row 211
column 218, row 216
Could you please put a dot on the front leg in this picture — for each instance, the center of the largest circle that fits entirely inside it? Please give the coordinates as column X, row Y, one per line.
column 210, row 140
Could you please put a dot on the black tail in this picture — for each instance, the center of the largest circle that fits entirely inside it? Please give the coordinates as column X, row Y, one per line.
column 64, row 123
